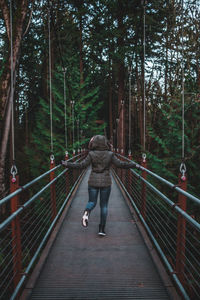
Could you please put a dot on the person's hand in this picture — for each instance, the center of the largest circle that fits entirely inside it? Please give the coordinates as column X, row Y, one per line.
column 64, row 163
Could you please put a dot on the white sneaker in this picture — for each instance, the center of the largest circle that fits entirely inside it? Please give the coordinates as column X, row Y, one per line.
column 102, row 230
column 85, row 219
column 102, row 233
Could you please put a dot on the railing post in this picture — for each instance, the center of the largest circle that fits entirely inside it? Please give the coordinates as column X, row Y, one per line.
column 114, row 151
column 144, row 175
column 181, row 230
column 122, row 170
column 74, row 171
column 53, row 189
column 16, row 232
column 79, row 171
column 67, row 175
column 117, row 170
column 74, row 153
column 129, row 173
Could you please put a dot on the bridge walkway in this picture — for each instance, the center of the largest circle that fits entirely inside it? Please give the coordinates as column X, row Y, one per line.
column 81, row 265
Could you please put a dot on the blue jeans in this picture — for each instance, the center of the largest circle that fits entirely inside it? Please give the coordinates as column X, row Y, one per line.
column 104, row 197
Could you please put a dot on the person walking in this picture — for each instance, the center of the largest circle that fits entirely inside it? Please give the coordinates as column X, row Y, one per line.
column 100, row 158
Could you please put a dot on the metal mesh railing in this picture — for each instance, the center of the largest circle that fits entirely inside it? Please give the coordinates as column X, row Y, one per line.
column 34, row 210
column 175, row 233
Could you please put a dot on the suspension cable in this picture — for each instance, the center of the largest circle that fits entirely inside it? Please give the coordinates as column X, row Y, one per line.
column 130, row 69
column 183, row 166
column 78, row 128
column 144, row 86
column 183, row 89
column 72, row 104
column 12, row 88
column 13, row 170
column 50, row 76
column 65, row 108
column 60, row 51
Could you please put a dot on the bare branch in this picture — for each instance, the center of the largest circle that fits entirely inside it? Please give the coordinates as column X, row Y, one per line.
column 29, row 22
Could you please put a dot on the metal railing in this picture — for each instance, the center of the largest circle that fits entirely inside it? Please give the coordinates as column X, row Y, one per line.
column 175, row 233
column 33, row 211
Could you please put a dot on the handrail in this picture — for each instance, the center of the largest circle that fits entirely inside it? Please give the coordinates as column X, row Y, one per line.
column 174, row 231
column 27, row 185
column 167, row 264
column 29, row 224
column 19, row 210
column 169, row 202
column 23, row 278
column 171, row 185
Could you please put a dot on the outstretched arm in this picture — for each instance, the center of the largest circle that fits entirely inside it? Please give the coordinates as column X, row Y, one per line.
column 77, row 165
column 124, row 164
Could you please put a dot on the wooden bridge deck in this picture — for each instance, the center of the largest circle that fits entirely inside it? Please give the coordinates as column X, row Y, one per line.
column 82, row 265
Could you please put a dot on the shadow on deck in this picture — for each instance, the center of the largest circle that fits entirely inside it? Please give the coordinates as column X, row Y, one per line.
column 82, row 265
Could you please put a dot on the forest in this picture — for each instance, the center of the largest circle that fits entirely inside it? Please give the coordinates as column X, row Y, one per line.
column 129, row 69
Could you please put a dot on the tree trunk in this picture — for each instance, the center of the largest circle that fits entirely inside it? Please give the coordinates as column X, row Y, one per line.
column 121, row 140
column 5, row 90
column 139, row 103
column 121, row 73
column 81, row 51
column 110, row 102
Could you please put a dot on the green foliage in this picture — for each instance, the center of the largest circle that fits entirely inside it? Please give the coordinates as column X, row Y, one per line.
column 2, row 67
column 112, row 34
column 86, row 106
column 165, row 155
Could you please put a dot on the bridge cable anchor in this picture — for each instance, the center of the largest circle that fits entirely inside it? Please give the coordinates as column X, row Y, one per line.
column 183, row 171
column 144, row 156
column 13, row 172
column 52, row 158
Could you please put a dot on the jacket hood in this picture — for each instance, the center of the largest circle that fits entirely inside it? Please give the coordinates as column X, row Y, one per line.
column 99, row 142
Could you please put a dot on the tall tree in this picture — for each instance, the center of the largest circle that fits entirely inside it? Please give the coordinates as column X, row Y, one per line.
column 121, row 73
column 19, row 15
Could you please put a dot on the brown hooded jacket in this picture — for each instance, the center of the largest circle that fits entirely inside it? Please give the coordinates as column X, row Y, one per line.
column 100, row 159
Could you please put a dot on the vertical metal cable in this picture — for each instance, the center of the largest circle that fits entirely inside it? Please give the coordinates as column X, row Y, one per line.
column 183, row 89
column 50, row 92
column 73, row 125
column 78, row 128
column 129, row 131
column 122, row 128
column 144, row 95
column 65, row 110
column 12, row 88
column 72, row 103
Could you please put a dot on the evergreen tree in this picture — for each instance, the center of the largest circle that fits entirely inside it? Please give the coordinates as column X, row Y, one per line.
column 86, row 39
column 165, row 155
column 86, row 106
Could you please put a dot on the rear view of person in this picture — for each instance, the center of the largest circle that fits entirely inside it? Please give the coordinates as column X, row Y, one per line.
column 100, row 158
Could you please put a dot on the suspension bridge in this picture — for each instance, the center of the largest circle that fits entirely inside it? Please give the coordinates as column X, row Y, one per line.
column 152, row 247
column 151, row 250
